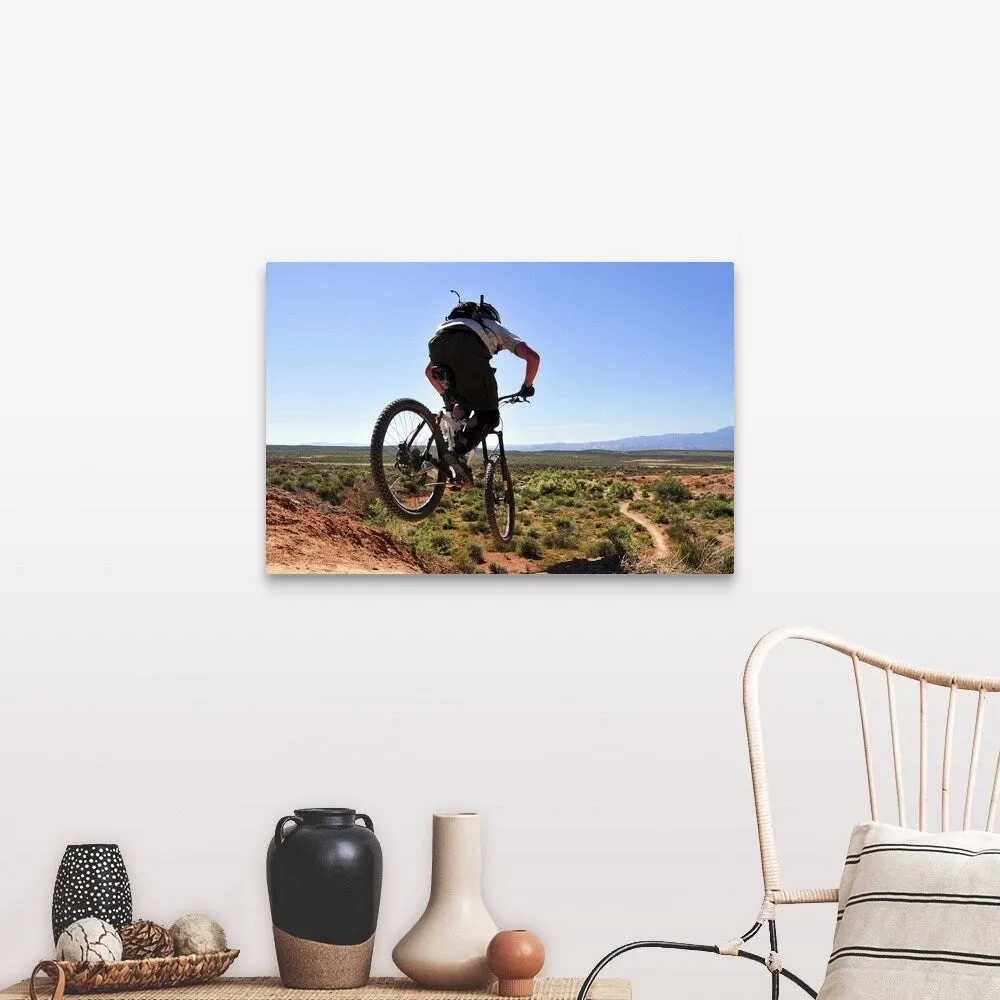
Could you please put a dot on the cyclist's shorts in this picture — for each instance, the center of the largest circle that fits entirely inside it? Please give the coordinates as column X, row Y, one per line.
column 466, row 355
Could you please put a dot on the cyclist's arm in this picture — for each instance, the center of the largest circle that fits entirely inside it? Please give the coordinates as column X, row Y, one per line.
column 532, row 360
column 429, row 372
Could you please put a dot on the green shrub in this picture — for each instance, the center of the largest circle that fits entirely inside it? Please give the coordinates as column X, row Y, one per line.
column 670, row 489
column 565, row 530
column 716, row 507
column 622, row 542
column 463, row 563
column 705, row 555
column 440, row 544
column 497, row 568
column 378, row 513
column 679, row 527
column 530, row 549
column 603, row 548
column 475, row 551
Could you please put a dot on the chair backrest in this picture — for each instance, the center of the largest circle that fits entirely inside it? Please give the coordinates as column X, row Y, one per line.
column 859, row 658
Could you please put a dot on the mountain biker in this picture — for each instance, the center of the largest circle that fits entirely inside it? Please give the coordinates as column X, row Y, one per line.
column 470, row 336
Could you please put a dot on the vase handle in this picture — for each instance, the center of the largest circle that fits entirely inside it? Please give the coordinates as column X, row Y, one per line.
column 279, row 830
column 367, row 820
column 53, row 971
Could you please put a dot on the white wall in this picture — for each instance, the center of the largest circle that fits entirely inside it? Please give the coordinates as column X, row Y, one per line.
column 160, row 692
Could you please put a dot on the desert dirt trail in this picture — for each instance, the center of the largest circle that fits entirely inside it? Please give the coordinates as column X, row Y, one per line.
column 659, row 542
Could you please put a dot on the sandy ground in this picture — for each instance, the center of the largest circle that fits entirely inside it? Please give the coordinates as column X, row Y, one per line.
column 659, row 541
column 511, row 562
column 301, row 538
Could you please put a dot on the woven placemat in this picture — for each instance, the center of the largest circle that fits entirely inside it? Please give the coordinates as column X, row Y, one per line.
column 236, row 988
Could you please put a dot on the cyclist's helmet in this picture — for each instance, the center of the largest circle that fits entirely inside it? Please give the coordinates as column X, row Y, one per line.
column 489, row 312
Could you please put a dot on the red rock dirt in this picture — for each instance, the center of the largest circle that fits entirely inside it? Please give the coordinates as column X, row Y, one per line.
column 302, row 538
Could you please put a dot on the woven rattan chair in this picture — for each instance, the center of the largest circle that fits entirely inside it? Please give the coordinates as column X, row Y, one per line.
column 855, row 658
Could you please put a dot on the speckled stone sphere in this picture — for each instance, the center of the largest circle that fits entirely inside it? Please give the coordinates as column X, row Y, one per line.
column 89, row 940
column 197, row 934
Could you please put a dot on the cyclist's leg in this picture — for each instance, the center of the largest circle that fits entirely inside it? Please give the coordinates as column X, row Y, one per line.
column 475, row 388
column 480, row 392
column 481, row 423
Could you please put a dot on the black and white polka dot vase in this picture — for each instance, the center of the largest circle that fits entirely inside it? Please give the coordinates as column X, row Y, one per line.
column 91, row 882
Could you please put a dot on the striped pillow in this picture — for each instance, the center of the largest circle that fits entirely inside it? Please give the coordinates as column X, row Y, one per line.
column 918, row 917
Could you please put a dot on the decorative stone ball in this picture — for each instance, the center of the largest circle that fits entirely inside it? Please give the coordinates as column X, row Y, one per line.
column 197, row 934
column 89, row 940
column 515, row 958
column 144, row 939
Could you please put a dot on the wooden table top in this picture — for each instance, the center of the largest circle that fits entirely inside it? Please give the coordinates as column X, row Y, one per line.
column 383, row 988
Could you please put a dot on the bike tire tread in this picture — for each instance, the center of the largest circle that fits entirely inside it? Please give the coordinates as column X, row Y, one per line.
column 377, row 455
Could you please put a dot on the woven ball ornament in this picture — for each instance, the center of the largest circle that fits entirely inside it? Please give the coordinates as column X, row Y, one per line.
column 89, row 940
column 197, row 934
column 144, row 939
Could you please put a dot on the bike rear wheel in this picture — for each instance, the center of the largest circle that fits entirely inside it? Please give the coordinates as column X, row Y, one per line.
column 500, row 502
column 407, row 459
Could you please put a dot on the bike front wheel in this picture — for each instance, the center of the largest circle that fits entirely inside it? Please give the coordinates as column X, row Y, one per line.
column 500, row 502
column 407, row 459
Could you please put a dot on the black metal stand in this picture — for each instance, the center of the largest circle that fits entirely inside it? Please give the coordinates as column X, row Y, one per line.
column 776, row 973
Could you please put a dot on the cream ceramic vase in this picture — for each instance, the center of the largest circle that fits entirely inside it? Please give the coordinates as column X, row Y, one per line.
column 446, row 948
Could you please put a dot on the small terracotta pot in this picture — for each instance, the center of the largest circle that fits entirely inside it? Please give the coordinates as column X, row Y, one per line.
column 515, row 958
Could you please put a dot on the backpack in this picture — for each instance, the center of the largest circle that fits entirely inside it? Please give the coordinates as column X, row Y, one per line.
column 474, row 310
column 465, row 310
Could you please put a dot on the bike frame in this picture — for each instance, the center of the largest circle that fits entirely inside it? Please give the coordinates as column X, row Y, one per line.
column 413, row 460
column 497, row 432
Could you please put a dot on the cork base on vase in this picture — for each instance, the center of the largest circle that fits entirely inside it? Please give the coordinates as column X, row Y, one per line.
column 515, row 987
column 315, row 965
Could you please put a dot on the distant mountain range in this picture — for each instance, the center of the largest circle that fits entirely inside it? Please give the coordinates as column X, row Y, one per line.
column 719, row 440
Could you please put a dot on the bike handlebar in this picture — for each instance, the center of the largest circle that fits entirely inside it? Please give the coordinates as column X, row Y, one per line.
column 514, row 397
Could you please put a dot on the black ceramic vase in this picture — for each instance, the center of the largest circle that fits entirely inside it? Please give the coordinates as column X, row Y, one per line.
column 91, row 882
column 324, row 882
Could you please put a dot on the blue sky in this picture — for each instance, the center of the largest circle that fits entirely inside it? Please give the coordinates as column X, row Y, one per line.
column 627, row 348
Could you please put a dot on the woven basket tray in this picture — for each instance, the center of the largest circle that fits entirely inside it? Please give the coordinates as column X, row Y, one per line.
column 132, row 974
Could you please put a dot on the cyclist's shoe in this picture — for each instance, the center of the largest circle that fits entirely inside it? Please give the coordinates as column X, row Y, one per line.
column 459, row 466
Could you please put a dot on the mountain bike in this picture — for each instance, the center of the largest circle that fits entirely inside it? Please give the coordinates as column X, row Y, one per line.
column 411, row 470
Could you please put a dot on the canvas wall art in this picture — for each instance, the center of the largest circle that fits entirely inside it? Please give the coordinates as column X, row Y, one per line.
column 499, row 418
